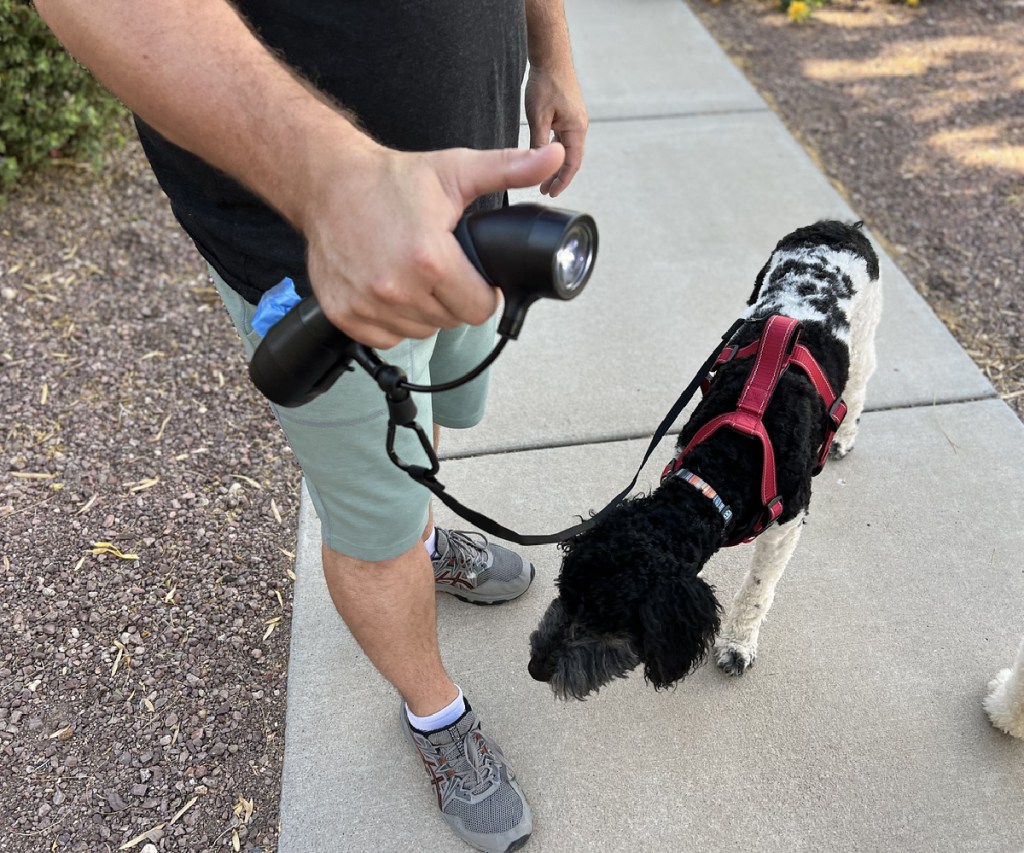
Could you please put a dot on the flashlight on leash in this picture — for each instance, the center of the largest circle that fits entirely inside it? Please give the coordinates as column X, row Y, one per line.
column 529, row 251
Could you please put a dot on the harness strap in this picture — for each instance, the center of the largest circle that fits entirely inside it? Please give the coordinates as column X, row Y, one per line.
column 773, row 352
column 834, row 406
column 750, row 425
column 777, row 339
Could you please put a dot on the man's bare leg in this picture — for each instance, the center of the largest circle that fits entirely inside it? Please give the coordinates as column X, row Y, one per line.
column 389, row 608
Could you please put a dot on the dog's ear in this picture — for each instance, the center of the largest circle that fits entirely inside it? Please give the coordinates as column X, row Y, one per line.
column 759, row 282
column 679, row 622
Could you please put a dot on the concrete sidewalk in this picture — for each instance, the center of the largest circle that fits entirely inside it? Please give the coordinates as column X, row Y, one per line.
column 861, row 727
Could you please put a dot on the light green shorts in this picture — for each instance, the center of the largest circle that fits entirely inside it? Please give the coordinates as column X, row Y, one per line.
column 368, row 508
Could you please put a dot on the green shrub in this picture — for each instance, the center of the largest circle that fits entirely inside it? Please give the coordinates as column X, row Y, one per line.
column 50, row 106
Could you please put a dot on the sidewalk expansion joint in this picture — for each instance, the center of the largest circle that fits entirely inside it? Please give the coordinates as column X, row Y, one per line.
column 646, row 436
column 735, row 111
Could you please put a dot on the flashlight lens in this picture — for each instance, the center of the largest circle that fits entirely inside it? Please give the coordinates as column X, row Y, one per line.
column 573, row 259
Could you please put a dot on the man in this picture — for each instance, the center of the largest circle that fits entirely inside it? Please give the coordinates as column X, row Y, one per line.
column 360, row 131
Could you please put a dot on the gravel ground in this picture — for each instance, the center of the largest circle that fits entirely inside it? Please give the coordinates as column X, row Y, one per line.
column 142, row 681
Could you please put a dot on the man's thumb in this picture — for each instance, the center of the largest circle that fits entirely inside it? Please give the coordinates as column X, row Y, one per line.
column 507, row 168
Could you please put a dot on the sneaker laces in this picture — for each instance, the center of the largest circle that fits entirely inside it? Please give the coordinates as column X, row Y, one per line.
column 482, row 761
column 464, row 553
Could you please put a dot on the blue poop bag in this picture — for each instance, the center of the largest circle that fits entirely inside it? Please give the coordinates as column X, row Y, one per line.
column 273, row 305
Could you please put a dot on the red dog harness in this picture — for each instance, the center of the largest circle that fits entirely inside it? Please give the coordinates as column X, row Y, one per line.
column 776, row 349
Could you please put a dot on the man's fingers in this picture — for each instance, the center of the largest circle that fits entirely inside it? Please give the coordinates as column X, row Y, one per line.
column 477, row 173
column 540, row 134
column 573, row 142
column 465, row 294
column 379, row 337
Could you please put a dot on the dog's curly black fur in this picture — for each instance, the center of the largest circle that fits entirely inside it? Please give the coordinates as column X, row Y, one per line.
column 628, row 590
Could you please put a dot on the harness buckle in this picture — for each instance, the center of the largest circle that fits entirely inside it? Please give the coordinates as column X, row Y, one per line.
column 724, row 357
column 837, row 412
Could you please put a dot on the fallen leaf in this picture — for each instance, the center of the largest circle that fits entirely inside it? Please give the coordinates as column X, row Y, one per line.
column 271, row 626
column 143, row 484
column 138, row 839
column 85, row 507
column 160, row 433
column 249, row 480
column 117, row 660
column 182, row 810
column 109, row 548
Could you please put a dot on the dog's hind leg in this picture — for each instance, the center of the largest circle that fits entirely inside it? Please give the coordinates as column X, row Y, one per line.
column 1005, row 700
column 736, row 646
column 862, row 365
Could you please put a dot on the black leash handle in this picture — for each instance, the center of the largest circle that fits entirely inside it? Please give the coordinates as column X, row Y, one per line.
column 426, row 477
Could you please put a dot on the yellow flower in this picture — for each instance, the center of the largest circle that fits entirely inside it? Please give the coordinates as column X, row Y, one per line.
column 911, row 2
column 798, row 10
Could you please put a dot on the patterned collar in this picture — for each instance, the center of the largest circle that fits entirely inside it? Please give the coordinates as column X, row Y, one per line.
column 708, row 492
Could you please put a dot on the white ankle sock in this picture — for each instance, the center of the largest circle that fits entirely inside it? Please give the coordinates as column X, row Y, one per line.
column 439, row 719
column 430, row 543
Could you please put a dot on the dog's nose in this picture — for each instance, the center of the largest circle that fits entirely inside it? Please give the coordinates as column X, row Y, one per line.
column 540, row 670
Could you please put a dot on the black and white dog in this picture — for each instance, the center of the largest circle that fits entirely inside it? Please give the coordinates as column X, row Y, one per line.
column 628, row 590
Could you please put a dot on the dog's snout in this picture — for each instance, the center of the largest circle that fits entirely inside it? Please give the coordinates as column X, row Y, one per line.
column 540, row 670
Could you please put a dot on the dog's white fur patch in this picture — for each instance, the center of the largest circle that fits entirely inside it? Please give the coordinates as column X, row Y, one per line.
column 789, row 297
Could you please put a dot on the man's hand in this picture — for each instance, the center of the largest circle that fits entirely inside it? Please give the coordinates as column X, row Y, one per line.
column 554, row 105
column 381, row 254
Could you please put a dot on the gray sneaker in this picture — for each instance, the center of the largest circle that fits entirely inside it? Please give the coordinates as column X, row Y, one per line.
column 476, row 789
column 469, row 567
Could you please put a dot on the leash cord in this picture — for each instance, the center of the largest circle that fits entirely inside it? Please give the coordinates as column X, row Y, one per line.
column 462, row 380
column 425, row 476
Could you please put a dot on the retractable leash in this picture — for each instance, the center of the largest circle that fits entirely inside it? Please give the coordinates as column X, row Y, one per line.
column 527, row 250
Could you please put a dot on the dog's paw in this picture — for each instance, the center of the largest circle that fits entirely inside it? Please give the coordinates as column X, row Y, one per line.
column 734, row 658
column 1005, row 713
column 840, row 449
column 996, row 684
column 845, row 438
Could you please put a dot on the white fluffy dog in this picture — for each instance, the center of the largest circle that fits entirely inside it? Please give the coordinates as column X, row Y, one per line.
column 1005, row 700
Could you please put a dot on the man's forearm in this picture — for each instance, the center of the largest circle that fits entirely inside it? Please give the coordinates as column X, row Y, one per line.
column 548, row 34
column 195, row 71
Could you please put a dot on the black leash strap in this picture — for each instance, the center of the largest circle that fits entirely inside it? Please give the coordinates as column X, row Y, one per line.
column 426, row 476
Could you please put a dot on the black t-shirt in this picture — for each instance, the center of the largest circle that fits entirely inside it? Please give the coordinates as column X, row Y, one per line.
column 420, row 75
